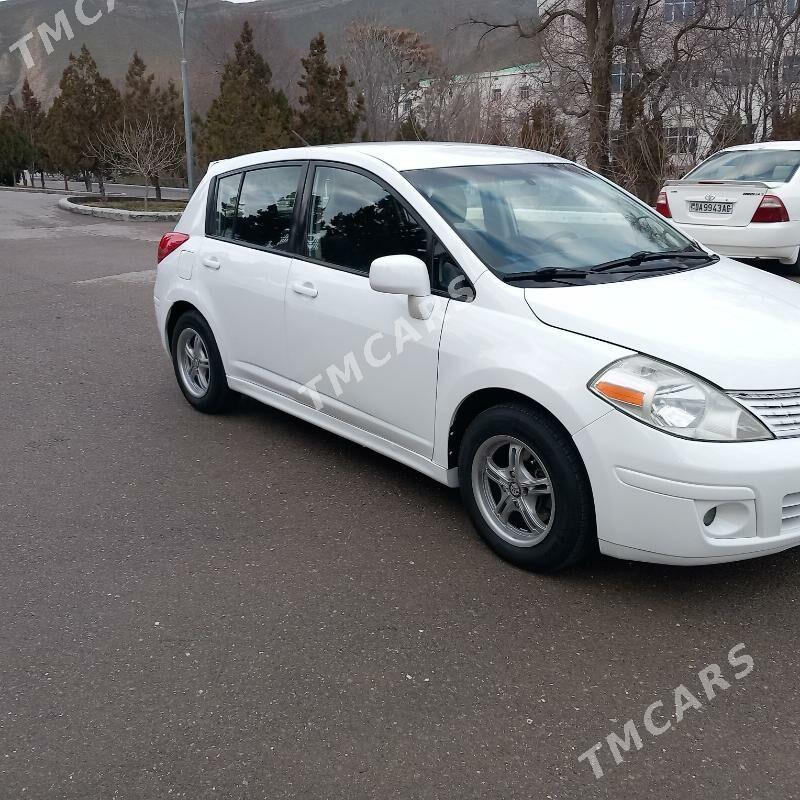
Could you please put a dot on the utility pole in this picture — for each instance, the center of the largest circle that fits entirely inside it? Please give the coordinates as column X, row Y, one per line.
column 187, row 118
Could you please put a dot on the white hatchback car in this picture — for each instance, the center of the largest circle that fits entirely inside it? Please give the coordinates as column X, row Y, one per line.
column 742, row 202
column 507, row 322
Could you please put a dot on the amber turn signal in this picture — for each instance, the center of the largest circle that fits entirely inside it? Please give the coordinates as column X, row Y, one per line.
column 622, row 394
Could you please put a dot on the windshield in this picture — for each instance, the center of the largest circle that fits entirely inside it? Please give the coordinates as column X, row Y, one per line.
column 749, row 165
column 526, row 217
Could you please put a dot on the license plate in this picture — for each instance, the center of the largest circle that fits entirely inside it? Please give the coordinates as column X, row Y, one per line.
column 698, row 207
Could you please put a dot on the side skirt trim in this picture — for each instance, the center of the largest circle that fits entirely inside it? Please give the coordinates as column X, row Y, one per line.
column 449, row 477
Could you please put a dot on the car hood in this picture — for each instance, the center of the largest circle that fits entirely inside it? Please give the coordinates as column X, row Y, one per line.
column 734, row 325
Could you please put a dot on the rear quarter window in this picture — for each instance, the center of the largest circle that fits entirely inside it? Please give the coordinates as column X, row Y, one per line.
column 226, row 198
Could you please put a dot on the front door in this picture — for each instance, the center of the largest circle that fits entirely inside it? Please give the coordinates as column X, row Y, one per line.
column 358, row 355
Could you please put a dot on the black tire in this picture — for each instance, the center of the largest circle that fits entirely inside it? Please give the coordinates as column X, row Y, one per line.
column 792, row 270
column 572, row 534
column 217, row 397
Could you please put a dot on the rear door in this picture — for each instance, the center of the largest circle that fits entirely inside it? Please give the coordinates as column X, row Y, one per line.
column 244, row 264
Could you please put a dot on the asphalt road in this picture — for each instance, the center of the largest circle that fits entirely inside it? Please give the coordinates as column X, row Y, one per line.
column 247, row 607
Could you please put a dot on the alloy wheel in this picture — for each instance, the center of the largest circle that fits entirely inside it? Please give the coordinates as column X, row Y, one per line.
column 513, row 491
column 193, row 362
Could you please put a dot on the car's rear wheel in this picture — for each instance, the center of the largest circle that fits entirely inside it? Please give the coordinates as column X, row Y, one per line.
column 198, row 366
column 526, row 489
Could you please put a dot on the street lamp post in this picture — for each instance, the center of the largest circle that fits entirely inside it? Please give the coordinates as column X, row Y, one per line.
column 187, row 119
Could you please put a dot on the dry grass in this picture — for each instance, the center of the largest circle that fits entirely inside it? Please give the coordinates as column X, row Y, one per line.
column 137, row 204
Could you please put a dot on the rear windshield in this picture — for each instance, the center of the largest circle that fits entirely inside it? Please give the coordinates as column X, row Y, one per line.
column 749, row 165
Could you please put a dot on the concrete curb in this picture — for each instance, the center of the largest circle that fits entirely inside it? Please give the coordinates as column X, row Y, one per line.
column 118, row 214
column 34, row 190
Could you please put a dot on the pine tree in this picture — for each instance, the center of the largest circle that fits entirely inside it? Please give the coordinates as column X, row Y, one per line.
column 14, row 150
column 248, row 114
column 27, row 119
column 87, row 104
column 32, row 120
column 327, row 114
column 138, row 93
column 11, row 116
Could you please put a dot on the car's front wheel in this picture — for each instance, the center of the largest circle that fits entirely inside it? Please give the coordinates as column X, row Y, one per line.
column 198, row 365
column 526, row 489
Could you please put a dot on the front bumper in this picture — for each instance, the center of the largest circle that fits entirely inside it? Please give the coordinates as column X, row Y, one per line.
column 653, row 490
column 777, row 240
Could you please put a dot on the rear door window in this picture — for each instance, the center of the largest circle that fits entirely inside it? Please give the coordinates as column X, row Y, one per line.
column 266, row 206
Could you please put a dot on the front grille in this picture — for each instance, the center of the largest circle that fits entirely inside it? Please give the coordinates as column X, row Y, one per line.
column 790, row 513
column 779, row 411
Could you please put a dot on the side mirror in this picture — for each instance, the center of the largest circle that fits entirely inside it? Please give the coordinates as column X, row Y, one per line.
column 403, row 275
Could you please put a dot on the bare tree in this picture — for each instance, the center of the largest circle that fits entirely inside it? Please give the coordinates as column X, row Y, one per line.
column 581, row 32
column 749, row 88
column 456, row 108
column 659, row 48
column 139, row 146
column 385, row 63
column 650, row 48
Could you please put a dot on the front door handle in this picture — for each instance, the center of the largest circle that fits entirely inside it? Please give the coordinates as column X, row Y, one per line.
column 307, row 289
column 212, row 262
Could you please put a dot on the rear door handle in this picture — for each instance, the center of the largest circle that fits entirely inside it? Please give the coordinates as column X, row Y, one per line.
column 212, row 262
column 307, row 289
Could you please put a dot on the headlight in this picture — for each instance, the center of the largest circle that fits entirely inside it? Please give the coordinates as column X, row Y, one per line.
column 674, row 401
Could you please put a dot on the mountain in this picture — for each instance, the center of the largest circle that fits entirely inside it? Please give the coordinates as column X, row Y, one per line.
column 283, row 29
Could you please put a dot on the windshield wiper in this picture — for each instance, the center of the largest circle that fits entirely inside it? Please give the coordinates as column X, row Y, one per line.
column 635, row 259
column 545, row 274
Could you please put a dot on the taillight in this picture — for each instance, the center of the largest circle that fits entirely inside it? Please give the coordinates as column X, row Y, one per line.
column 170, row 242
column 770, row 209
column 662, row 205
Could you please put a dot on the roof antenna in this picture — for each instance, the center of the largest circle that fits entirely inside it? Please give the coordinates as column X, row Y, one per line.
column 291, row 130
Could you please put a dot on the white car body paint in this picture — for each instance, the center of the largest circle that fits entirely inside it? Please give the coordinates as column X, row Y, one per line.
column 730, row 324
column 734, row 234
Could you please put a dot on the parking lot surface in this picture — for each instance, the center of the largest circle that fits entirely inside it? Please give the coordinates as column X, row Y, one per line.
column 248, row 607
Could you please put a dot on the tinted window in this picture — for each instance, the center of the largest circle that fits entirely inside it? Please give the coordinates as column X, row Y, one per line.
column 266, row 206
column 225, row 205
column 352, row 221
column 749, row 165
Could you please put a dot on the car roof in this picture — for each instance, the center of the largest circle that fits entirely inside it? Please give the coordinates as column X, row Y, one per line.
column 766, row 146
column 400, row 155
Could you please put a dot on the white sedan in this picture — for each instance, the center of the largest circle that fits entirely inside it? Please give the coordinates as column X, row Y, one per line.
column 742, row 202
column 507, row 322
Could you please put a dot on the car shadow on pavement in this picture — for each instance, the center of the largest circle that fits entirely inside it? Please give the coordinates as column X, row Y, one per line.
column 695, row 583
column 773, row 267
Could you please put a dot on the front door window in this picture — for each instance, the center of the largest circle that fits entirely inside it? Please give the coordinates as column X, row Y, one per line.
column 353, row 220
